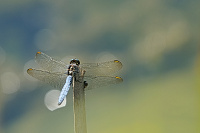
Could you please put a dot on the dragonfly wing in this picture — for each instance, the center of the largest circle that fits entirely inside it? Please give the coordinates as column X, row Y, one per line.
column 56, row 80
column 103, row 69
column 50, row 64
column 100, row 81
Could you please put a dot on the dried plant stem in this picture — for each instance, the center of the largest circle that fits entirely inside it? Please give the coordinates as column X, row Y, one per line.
column 79, row 105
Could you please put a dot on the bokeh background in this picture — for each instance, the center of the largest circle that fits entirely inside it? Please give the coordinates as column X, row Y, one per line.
column 157, row 41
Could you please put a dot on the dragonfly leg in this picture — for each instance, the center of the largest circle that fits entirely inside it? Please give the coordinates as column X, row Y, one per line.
column 85, row 84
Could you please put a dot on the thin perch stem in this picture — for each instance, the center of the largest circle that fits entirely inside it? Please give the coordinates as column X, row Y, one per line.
column 79, row 105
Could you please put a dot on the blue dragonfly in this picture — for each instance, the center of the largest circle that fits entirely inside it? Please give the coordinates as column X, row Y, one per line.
column 60, row 75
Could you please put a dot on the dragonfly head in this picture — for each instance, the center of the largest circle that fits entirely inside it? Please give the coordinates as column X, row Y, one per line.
column 75, row 61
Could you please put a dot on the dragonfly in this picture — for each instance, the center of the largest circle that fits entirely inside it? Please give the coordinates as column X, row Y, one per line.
column 59, row 74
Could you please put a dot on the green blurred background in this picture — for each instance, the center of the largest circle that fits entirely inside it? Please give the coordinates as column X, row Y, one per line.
column 157, row 41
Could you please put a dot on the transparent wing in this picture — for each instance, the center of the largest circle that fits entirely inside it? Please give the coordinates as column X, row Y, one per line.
column 100, row 81
column 102, row 69
column 56, row 80
column 50, row 64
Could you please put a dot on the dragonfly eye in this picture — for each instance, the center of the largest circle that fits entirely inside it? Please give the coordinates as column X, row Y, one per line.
column 75, row 61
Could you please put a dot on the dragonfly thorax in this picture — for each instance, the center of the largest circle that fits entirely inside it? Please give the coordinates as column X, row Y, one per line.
column 73, row 69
